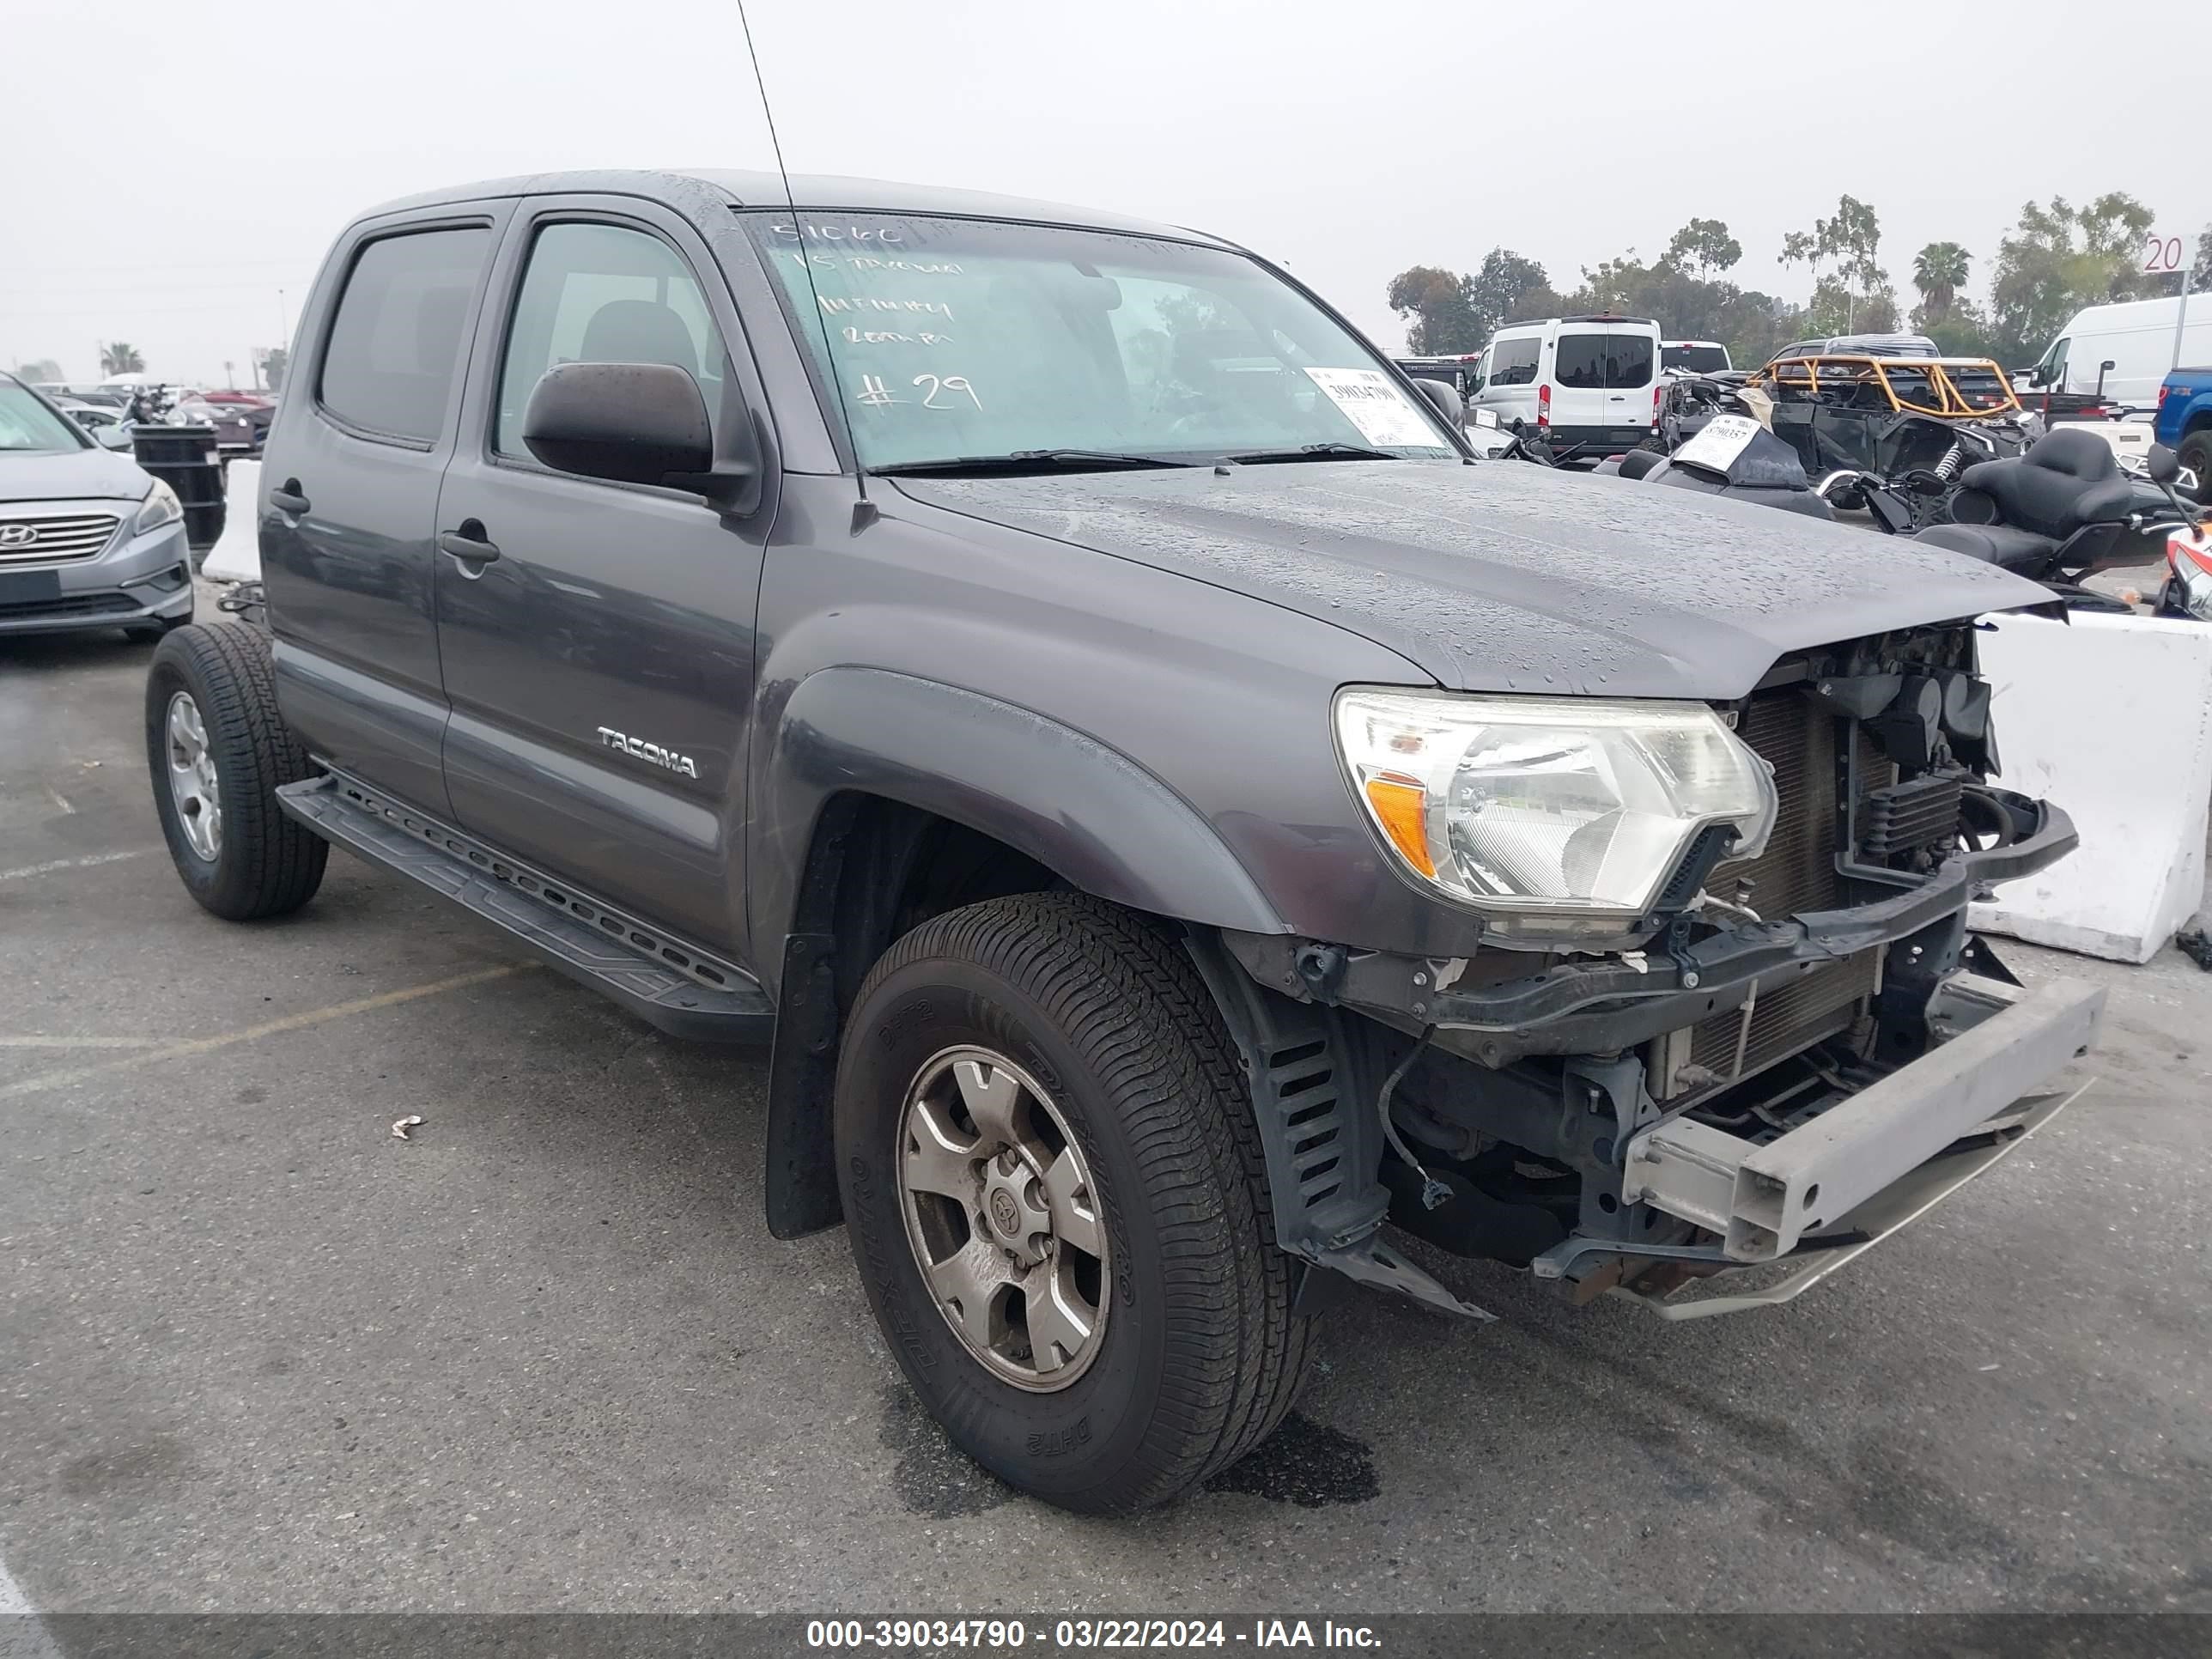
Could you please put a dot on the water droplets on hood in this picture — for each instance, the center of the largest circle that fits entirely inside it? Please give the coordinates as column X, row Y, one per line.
column 1505, row 577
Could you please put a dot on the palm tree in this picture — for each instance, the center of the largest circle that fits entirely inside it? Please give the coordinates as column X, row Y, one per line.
column 119, row 357
column 1939, row 271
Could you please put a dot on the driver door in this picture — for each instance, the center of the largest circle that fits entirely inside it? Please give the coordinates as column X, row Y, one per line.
column 599, row 659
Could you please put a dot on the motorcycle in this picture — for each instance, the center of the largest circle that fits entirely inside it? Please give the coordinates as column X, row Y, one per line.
column 2063, row 510
column 1732, row 456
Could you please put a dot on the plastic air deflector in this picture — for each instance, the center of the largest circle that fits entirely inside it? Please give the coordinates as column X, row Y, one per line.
column 666, row 981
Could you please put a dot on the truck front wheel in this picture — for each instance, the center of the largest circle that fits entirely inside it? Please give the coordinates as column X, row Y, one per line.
column 1058, row 1203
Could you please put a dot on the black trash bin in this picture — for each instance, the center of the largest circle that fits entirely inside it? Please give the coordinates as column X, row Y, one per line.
column 184, row 457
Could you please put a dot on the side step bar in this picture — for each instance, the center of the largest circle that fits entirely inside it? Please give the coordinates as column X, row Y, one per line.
column 666, row 983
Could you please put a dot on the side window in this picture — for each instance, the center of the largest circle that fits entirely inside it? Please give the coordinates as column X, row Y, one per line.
column 1515, row 361
column 396, row 341
column 603, row 294
column 2054, row 367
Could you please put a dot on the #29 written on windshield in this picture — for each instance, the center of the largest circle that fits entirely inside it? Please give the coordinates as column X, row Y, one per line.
column 1386, row 417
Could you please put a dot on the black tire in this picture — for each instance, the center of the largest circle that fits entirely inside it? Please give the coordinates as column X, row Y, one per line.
column 265, row 863
column 150, row 633
column 2196, row 454
column 1199, row 1354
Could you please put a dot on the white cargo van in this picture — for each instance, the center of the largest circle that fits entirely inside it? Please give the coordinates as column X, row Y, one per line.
column 1587, row 383
column 2136, row 337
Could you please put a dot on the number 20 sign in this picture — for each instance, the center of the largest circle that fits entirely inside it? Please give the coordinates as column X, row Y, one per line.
column 2162, row 253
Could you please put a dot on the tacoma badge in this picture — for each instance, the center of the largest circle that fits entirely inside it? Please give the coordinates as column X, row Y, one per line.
column 649, row 751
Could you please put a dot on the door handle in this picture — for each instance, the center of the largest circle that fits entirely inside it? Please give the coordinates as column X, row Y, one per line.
column 287, row 498
column 468, row 544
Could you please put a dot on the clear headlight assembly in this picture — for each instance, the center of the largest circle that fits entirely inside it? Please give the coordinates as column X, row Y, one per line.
column 161, row 507
column 1559, row 818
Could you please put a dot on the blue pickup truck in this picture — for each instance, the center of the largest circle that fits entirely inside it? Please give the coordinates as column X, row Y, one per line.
column 2184, row 421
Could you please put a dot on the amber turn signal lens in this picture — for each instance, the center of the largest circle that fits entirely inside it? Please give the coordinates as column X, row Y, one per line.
column 1398, row 809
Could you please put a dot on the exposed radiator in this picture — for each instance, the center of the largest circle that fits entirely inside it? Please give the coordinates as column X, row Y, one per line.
column 1796, row 872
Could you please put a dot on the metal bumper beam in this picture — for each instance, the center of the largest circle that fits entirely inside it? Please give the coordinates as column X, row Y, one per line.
column 1762, row 1199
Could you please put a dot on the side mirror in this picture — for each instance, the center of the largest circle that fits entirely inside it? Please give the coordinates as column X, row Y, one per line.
column 1446, row 397
column 642, row 423
column 116, row 436
column 2162, row 464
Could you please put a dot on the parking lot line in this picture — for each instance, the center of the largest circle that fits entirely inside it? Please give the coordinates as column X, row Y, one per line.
column 80, row 1043
column 54, row 864
column 268, row 1028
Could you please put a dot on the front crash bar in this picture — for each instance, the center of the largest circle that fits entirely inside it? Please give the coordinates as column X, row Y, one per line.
column 1896, row 1207
column 1763, row 1198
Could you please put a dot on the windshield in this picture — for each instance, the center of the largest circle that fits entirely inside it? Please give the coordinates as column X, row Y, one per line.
column 951, row 338
column 26, row 423
column 1698, row 359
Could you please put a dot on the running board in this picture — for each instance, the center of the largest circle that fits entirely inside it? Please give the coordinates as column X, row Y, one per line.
column 667, row 983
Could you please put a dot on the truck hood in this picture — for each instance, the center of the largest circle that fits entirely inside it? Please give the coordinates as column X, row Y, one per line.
column 1505, row 576
column 69, row 476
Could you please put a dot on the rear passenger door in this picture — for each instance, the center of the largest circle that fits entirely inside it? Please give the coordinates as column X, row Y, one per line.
column 350, row 480
column 600, row 663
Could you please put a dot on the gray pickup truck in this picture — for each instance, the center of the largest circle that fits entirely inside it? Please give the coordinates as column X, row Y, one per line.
column 1168, row 810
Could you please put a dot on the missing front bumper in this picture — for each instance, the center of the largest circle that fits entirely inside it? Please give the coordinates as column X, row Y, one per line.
column 1896, row 1207
column 1763, row 1200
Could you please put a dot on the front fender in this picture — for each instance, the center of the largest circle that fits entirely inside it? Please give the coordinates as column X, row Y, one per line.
column 1086, row 812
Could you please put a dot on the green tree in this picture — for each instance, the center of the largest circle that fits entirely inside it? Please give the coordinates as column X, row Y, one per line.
column 1705, row 244
column 1800, row 247
column 39, row 369
column 273, row 360
column 1443, row 310
column 1508, row 288
column 120, row 357
column 1939, row 271
column 1852, row 238
column 2059, row 258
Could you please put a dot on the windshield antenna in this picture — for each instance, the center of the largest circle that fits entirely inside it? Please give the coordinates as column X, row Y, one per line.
column 864, row 513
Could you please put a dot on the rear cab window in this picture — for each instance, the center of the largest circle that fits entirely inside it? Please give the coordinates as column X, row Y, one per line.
column 395, row 344
column 1697, row 359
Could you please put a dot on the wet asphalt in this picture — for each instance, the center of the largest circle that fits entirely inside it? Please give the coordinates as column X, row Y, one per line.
column 261, row 1355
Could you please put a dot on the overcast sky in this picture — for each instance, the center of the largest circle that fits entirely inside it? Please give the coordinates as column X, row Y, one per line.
column 170, row 168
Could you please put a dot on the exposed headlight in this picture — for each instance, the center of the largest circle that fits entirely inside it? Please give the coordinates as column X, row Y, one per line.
column 1559, row 815
column 160, row 508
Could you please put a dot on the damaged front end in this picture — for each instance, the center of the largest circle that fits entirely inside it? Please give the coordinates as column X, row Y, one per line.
column 1794, row 1048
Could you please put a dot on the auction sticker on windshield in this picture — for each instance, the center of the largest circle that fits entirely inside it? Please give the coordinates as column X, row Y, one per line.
column 1721, row 439
column 1385, row 415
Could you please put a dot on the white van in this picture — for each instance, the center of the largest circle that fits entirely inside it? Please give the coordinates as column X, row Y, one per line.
column 2134, row 337
column 1586, row 382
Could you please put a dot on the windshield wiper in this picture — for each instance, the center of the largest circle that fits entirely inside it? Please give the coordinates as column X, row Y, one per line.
column 1030, row 460
column 1328, row 451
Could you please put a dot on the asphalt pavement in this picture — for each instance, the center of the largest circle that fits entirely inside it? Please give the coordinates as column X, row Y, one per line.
column 261, row 1355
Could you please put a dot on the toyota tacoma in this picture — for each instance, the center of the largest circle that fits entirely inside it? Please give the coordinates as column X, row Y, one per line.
column 1180, row 825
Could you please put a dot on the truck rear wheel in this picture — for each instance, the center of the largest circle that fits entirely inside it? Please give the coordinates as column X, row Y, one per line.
column 217, row 750
column 1057, row 1201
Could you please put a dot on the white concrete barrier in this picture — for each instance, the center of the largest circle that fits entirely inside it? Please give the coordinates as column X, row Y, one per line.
column 2111, row 718
column 236, row 555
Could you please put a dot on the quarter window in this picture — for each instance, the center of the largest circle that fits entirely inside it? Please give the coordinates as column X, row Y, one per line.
column 396, row 341
column 602, row 293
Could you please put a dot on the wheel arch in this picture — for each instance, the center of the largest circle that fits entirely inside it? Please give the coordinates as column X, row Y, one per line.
column 894, row 798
